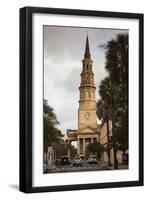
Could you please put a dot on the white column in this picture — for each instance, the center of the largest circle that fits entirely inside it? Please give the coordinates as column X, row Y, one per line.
column 78, row 146
column 84, row 146
column 91, row 140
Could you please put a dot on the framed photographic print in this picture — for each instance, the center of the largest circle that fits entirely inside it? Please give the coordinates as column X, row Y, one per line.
column 81, row 99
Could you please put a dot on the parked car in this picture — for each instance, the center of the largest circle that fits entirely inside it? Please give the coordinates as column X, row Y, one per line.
column 92, row 159
column 64, row 160
column 77, row 161
column 82, row 157
column 58, row 162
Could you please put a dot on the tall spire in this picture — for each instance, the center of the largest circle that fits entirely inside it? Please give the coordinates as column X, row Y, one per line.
column 87, row 51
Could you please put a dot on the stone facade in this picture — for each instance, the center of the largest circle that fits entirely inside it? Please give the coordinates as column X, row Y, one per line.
column 87, row 119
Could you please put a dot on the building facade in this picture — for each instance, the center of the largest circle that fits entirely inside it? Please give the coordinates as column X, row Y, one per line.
column 87, row 119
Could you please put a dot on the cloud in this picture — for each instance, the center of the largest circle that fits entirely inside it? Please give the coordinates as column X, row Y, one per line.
column 63, row 53
column 72, row 81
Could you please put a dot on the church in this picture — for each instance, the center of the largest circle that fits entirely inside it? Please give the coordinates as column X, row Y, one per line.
column 88, row 129
column 87, row 119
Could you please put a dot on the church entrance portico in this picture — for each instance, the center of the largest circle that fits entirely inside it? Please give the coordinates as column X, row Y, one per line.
column 82, row 142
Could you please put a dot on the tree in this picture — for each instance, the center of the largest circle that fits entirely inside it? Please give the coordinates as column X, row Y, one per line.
column 114, row 90
column 117, row 59
column 108, row 94
column 96, row 148
column 121, row 132
column 60, row 148
column 104, row 114
column 117, row 66
column 73, row 151
column 51, row 131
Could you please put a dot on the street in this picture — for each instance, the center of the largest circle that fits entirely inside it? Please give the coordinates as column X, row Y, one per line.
column 101, row 165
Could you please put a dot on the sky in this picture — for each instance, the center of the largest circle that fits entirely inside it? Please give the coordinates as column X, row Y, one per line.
column 64, row 49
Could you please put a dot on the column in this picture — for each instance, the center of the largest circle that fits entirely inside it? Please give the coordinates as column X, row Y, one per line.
column 98, row 138
column 91, row 140
column 84, row 147
column 78, row 146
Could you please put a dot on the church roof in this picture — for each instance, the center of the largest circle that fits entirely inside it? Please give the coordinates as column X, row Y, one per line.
column 87, row 50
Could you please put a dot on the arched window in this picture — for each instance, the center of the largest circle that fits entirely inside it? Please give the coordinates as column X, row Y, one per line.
column 90, row 68
column 82, row 95
column 86, row 79
column 87, row 94
column 83, row 80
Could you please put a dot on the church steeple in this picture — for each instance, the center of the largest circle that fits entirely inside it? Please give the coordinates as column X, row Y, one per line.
column 87, row 86
column 87, row 50
column 87, row 118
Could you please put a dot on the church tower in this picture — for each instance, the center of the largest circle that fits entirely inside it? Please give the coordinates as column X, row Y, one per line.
column 87, row 118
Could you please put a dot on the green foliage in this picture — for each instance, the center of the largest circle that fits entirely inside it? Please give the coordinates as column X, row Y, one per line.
column 73, row 151
column 51, row 131
column 96, row 148
column 103, row 111
column 117, row 59
column 61, row 148
column 114, row 89
column 120, row 135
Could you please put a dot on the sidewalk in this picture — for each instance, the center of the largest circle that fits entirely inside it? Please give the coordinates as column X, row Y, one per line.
column 119, row 167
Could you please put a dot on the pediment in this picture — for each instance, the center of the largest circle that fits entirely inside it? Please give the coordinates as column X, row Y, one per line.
column 88, row 129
